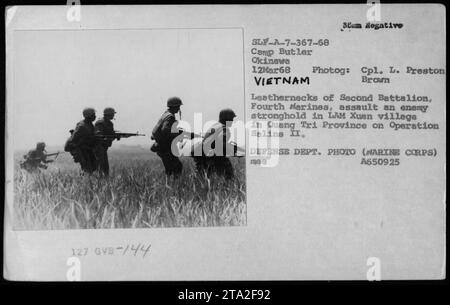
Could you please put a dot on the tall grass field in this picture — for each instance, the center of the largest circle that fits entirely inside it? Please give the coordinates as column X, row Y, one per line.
column 136, row 195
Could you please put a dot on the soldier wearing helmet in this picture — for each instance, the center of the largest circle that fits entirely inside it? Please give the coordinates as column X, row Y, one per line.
column 217, row 148
column 35, row 158
column 40, row 146
column 226, row 115
column 164, row 133
column 104, row 126
column 83, row 142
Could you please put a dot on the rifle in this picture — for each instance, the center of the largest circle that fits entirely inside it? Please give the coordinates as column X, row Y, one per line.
column 56, row 154
column 238, row 149
column 118, row 135
column 186, row 134
column 190, row 135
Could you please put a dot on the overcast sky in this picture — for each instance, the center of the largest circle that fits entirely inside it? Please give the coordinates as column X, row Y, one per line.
column 58, row 73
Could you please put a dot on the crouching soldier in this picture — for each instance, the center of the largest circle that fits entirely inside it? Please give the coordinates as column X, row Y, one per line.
column 216, row 148
column 82, row 142
column 35, row 159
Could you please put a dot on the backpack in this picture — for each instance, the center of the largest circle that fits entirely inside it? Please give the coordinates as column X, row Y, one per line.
column 156, row 132
column 68, row 146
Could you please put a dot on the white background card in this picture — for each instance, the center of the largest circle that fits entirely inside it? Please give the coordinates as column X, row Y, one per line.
column 353, row 117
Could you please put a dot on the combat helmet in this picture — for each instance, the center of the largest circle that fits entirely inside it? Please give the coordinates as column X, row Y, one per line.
column 109, row 111
column 174, row 101
column 40, row 146
column 88, row 112
column 226, row 115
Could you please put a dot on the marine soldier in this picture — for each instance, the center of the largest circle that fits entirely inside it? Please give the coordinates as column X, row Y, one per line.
column 35, row 158
column 164, row 135
column 104, row 127
column 217, row 148
column 83, row 142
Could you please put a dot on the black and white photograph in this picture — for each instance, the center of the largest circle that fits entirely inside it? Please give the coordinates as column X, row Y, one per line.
column 128, row 129
column 213, row 143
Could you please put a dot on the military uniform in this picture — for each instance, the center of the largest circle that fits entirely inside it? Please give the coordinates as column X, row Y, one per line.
column 215, row 152
column 34, row 159
column 83, row 142
column 103, row 127
column 163, row 135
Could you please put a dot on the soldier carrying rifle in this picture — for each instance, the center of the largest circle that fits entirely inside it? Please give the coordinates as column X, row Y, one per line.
column 105, row 135
column 37, row 158
column 213, row 156
column 104, row 128
column 164, row 133
column 82, row 142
